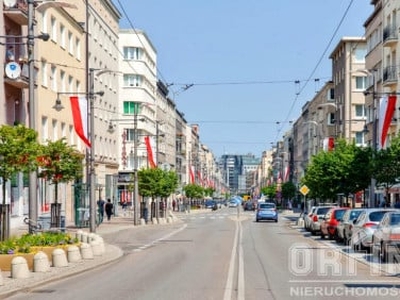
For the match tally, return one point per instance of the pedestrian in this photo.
(289, 204)
(100, 205)
(173, 205)
(109, 209)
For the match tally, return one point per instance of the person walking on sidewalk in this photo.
(109, 209)
(100, 205)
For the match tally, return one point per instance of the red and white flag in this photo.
(387, 106)
(191, 174)
(150, 158)
(79, 115)
(286, 176)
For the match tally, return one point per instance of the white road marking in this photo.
(229, 281)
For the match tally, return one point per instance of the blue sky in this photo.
(244, 58)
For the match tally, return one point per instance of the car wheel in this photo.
(257, 220)
(276, 221)
(384, 253)
(322, 236)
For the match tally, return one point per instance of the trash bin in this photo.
(44, 221)
(145, 214)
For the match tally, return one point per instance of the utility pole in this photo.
(92, 170)
(33, 211)
(136, 215)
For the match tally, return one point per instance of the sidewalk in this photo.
(8, 285)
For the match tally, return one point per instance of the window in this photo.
(132, 80)
(53, 24)
(360, 82)
(78, 48)
(53, 78)
(330, 95)
(130, 134)
(359, 53)
(331, 119)
(70, 43)
(62, 79)
(62, 36)
(130, 107)
(360, 110)
(70, 84)
(44, 73)
(359, 138)
(132, 53)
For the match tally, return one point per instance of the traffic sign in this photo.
(304, 190)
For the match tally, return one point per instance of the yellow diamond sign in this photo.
(304, 190)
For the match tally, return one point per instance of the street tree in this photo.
(18, 152)
(386, 165)
(58, 163)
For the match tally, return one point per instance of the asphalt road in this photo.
(224, 255)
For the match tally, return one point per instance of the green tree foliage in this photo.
(386, 165)
(18, 151)
(269, 191)
(193, 191)
(288, 190)
(59, 162)
(345, 170)
(155, 182)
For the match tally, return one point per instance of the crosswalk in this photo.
(211, 215)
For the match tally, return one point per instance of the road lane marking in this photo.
(229, 281)
(240, 265)
(237, 249)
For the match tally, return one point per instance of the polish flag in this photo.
(286, 176)
(386, 110)
(79, 114)
(191, 174)
(150, 158)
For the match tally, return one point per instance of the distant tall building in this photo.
(236, 171)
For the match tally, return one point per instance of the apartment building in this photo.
(349, 83)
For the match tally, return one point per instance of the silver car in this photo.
(344, 228)
(317, 218)
(365, 226)
(386, 238)
(307, 218)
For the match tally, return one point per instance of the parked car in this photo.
(266, 211)
(308, 217)
(365, 226)
(386, 238)
(317, 218)
(344, 228)
(330, 222)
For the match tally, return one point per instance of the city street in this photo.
(226, 255)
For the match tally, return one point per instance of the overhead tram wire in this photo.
(316, 66)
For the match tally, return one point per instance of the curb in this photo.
(12, 286)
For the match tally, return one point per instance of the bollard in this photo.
(155, 221)
(78, 235)
(142, 222)
(169, 220)
(59, 258)
(73, 254)
(92, 236)
(1, 279)
(96, 249)
(41, 262)
(86, 251)
(19, 268)
(85, 237)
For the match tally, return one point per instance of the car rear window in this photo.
(322, 210)
(354, 214)
(395, 219)
(339, 213)
(267, 205)
(376, 216)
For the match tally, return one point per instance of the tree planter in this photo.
(5, 260)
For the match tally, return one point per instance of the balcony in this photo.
(389, 76)
(18, 13)
(390, 36)
(22, 82)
